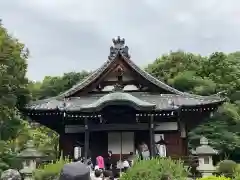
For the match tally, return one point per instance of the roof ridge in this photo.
(82, 83)
(151, 78)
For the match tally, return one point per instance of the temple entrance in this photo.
(121, 142)
(98, 144)
(118, 131)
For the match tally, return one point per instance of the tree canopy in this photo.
(205, 76)
(14, 92)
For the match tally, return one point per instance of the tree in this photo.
(45, 139)
(53, 86)
(207, 75)
(14, 91)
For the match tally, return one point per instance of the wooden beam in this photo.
(164, 126)
(74, 128)
(119, 127)
(151, 134)
(106, 127)
(130, 82)
(86, 141)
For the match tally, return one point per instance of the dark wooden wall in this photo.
(176, 146)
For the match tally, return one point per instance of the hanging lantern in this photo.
(77, 152)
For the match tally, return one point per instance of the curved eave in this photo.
(216, 102)
(30, 153)
(40, 105)
(119, 98)
(139, 102)
(99, 106)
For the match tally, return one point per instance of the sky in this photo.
(75, 35)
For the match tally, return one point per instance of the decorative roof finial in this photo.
(118, 48)
(118, 42)
(204, 141)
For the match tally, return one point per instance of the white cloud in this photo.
(66, 35)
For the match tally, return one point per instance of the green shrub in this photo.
(227, 168)
(156, 169)
(215, 178)
(50, 171)
(237, 173)
(237, 176)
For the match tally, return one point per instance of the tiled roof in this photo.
(30, 152)
(162, 101)
(118, 98)
(172, 100)
(205, 149)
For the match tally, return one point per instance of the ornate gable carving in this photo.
(119, 74)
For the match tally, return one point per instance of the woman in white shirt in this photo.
(161, 148)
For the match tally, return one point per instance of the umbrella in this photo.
(75, 171)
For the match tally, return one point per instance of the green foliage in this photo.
(50, 171)
(225, 124)
(237, 173)
(14, 93)
(205, 76)
(215, 178)
(7, 157)
(45, 139)
(155, 169)
(227, 168)
(53, 86)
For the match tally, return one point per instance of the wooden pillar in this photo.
(61, 141)
(86, 140)
(152, 141)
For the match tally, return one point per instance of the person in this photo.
(125, 165)
(89, 163)
(100, 162)
(107, 175)
(144, 151)
(131, 158)
(161, 148)
(109, 163)
(97, 175)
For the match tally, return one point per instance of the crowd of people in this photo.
(102, 175)
(107, 168)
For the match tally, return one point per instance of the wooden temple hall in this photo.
(118, 107)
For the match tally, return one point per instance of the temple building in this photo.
(118, 107)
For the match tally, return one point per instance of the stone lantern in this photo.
(205, 153)
(29, 156)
